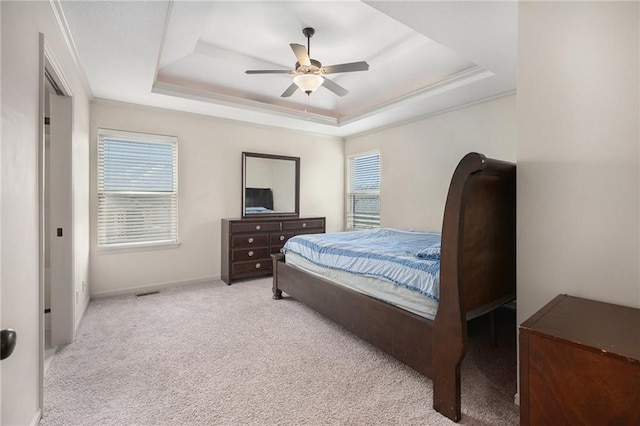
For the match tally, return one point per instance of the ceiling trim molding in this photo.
(63, 26)
(165, 88)
(163, 41)
(58, 74)
(203, 116)
(426, 116)
(468, 76)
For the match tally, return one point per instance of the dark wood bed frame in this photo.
(477, 274)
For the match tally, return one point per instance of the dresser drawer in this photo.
(250, 254)
(254, 227)
(294, 225)
(247, 267)
(250, 240)
(248, 243)
(280, 238)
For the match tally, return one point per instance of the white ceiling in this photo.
(424, 57)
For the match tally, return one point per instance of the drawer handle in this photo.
(250, 240)
(258, 266)
(250, 253)
(257, 227)
(304, 225)
(281, 237)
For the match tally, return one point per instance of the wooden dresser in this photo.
(247, 244)
(580, 364)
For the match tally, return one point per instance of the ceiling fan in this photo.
(309, 73)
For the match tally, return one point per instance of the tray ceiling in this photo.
(191, 56)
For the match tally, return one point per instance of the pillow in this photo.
(431, 252)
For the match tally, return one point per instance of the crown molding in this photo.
(205, 116)
(468, 76)
(460, 79)
(426, 116)
(63, 26)
(170, 89)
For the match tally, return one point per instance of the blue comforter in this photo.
(393, 255)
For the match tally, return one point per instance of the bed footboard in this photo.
(403, 335)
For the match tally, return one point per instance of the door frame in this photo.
(48, 64)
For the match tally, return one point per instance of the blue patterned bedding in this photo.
(410, 259)
(253, 210)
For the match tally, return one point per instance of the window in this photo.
(137, 189)
(363, 191)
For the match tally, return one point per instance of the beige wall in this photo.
(578, 106)
(209, 180)
(21, 24)
(417, 159)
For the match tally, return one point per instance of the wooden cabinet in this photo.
(580, 364)
(247, 244)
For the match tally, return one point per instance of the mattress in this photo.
(375, 287)
(408, 259)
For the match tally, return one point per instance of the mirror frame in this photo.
(296, 160)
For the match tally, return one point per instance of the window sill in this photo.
(127, 248)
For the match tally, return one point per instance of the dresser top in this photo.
(605, 327)
(272, 218)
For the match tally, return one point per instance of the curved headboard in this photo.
(478, 260)
(477, 263)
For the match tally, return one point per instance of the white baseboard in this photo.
(153, 287)
(80, 315)
(516, 398)
(35, 421)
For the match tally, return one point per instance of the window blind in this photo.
(363, 191)
(137, 189)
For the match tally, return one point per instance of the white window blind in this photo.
(363, 191)
(137, 189)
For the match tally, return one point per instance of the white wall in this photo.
(209, 186)
(418, 158)
(578, 187)
(21, 24)
(81, 231)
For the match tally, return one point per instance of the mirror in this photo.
(270, 185)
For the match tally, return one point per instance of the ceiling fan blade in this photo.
(334, 87)
(301, 53)
(289, 91)
(350, 67)
(268, 72)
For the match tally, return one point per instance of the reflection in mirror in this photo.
(270, 184)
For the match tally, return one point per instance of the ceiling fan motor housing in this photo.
(314, 68)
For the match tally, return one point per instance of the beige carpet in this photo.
(214, 354)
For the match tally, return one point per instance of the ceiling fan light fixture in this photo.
(307, 71)
(308, 83)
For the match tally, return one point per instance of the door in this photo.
(20, 375)
(59, 235)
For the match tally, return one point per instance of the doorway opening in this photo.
(57, 301)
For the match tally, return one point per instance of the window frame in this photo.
(138, 137)
(348, 167)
